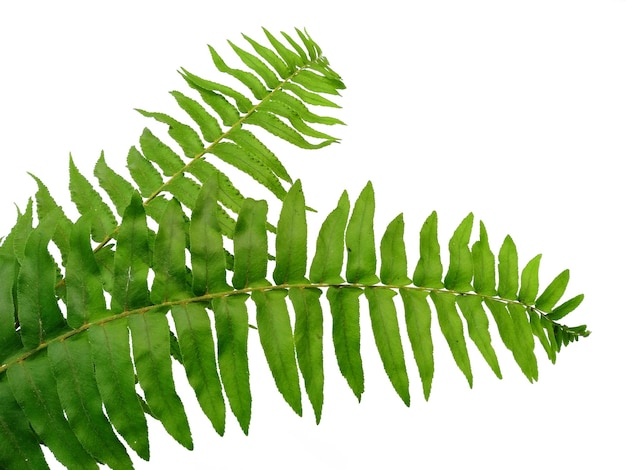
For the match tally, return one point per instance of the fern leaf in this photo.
(117, 188)
(183, 134)
(393, 255)
(484, 265)
(508, 276)
(276, 337)
(90, 203)
(34, 387)
(209, 127)
(9, 338)
(308, 334)
(328, 260)
(529, 284)
(231, 325)
(291, 239)
(344, 307)
(250, 246)
(548, 299)
(429, 270)
(461, 270)
(361, 265)
(115, 376)
(387, 337)
(78, 394)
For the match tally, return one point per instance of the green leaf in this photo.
(291, 59)
(34, 388)
(291, 238)
(170, 270)
(393, 255)
(208, 263)
(268, 76)
(78, 394)
(418, 319)
(344, 307)
(540, 332)
(151, 352)
(115, 376)
(248, 79)
(508, 270)
(525, 339)
(89, 203)
(9, 338)
(84, 296)
(566, 308)
(478, 329)
(452, 329)
(117, 188)
(429, 270)
(308, 336)
(361, 266)
(195, 338)
(159, 153)
(250, 244)
(225, 110)
(48, 208)
(209, 127)
(328, 260)
(182, 134)
(318, 83)
(548, 299)
(231, 325)
(132, 260)
(236, 156)
(484, 265)
(253, 146)
(309, 97)
(387, 337)
(39, 314)
(276, 337)
(530, 281)
(274, 125)
(144, 173)
(461, 270)
(19, 446)
(270, 56)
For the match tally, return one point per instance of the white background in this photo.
(514, 110)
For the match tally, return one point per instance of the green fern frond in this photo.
(79, 340)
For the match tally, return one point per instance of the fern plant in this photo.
(86, 346)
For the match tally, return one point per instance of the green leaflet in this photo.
(183, 134)
(262, 70)
(253, 146)
(84, 296)
(170, 271)
(38, 312)
(209, 127)
(89, 203)
(276, 337)
(115, 376)
(328, 260)
(117, 188)
(143, 172)
(508, 270)
(308, 334)
(344, 307)
(417, 317)
(33, 386)
(452, 329)
(159, 153)
(460, 272)
(529, 286)
(250, 242)
(565, 308)
(273, 125)
(548, 299)
(478, 329)
(78, 394)
(208, 263)
(132, 260)
(48, 208)
(387, 337)
(248, 79)
(19, 447)
(429, 270)
(484, 265)
(151, 352)
(9, 339)
(291, 238)
(393, 255)
(231, 325)
(361, 266)
(195, 338)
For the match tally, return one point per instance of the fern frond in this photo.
(86, 347)
(196, 293)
